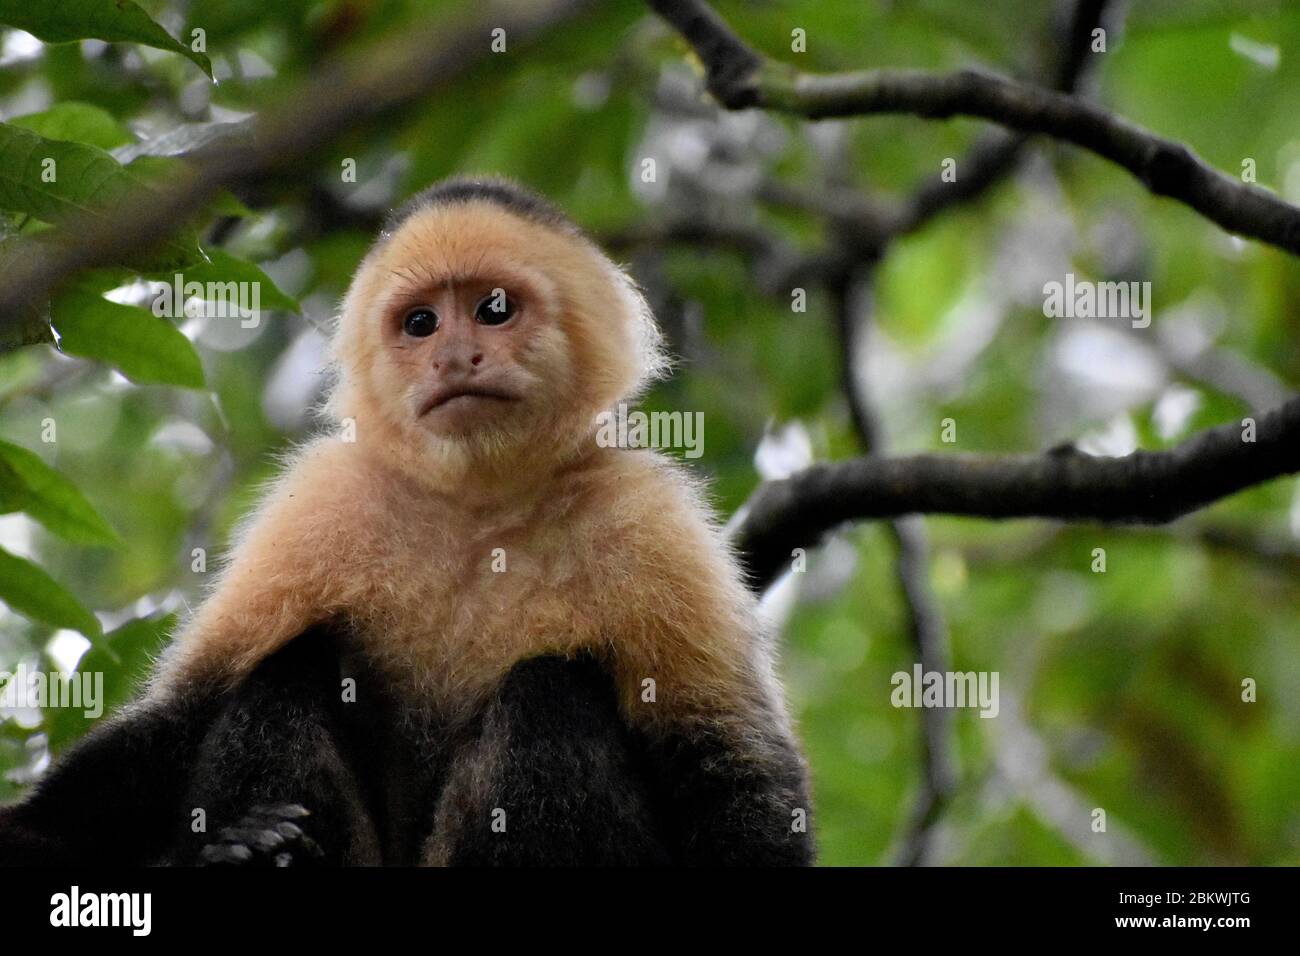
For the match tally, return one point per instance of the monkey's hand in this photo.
(265, 836)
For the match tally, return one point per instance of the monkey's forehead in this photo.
(479, 240)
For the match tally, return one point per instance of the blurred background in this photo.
(1120, 690)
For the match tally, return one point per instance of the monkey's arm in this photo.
(113, 797)
(732, 789)
(128, 792)
(696, 673)
(549, 775)
(275, 775)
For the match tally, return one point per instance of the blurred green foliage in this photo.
(1120, 690)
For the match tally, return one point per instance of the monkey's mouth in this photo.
(462, 393)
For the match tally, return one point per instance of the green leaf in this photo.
(28, 590)
(28, 484)
(86, 182)
(146, 348)
(226, 203)
(77, 123)
(125, 657)
(115, 21)
(223, 267)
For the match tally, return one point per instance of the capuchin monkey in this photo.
(458, 630)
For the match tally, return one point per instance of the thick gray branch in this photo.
(739, 77)
(1150, 487)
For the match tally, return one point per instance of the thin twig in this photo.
(926, 629)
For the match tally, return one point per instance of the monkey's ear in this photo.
(652, 360)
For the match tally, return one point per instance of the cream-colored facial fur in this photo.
(454, 557)
(590, 339)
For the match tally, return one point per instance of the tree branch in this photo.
(994, 155)
(860, 226)
(1146, 487)
(740, 77)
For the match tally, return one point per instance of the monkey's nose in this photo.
(457, 359)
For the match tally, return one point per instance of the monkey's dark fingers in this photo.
(221, 854)
(266, 836)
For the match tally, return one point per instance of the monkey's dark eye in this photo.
(497, 309)
(420, 322)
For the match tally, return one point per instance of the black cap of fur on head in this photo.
(492, 189)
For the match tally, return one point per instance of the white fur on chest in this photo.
(458, 606)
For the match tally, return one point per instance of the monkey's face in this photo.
(475, 328)
(474, 354)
